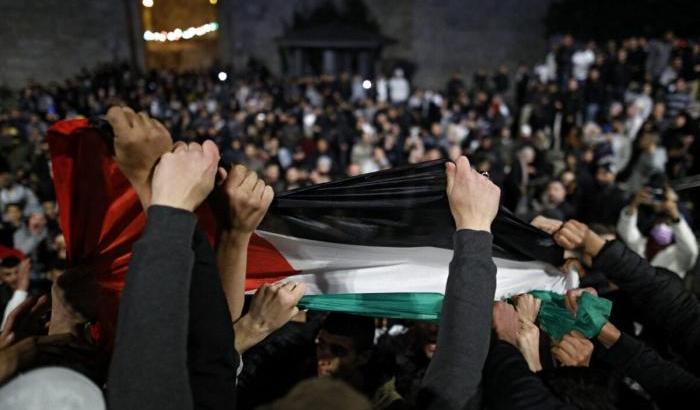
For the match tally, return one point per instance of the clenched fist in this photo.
(528, 307)
(271, 308)
(473, 198)
(248, 199)
(506, 322)
(138, 143)
(575, 235)
(185, 177)
(573, 350)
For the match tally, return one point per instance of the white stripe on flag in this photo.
(328, 268)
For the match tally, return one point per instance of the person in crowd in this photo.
(554, 202)
(651, 160)
(345, 350)
(604, 203)
(14, 274)
(399, 89)
(12, 192)
(669, 242)
(569, 120)
(454, 374)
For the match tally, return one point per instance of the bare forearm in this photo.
(248, 334)
(232, 258)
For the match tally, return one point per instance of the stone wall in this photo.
(52, 39)
(439, 36)
(47, 40)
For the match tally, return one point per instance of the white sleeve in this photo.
(686, 244)
(239, 370)
(17, 298)
(629, 233)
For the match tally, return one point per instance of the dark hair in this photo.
(584, 387)
(9, 204)
(359, 328)
(79, 284)
(10, 262)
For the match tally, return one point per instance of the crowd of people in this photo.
(588, 146)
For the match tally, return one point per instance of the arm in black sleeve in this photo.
(669, 385)
(509, 383)
(454, 374)
(658, 296)
(149, 365)
(212, 357)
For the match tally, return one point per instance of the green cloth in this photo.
(415, 306)
(555, 319)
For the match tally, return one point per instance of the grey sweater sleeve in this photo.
(454, 374)
(149, 365)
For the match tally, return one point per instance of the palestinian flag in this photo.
(377, 244)
(380, 244)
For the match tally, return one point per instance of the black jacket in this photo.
(669, 385)
(659, 298)
(510, 384)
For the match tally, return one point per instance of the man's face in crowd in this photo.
(37, 222)
(13, 215)
(335, 354)
(9, 276)
(5, 180)
(556, 194)
(50, 209)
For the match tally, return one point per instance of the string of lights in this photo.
(180, 34)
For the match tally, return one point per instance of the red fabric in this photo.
(6, 252)
(101, 218)
(100, 214)
(265, 264)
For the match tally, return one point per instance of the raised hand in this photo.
(473, 198)
(528, 342)
(670, 204)
(506, 322)
(643, 197)
(574, 235)
(528, 307)
(138, 143)
(271, 308)
(16, 357)
(184, 177)
(23, 275)
(248, 199)
(548, 225)
(27, 319)
(572, 296)
(573, 350)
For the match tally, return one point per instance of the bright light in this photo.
(147, 3)
(367, 84)
(213, 2)
(222, 76)
(180, 34)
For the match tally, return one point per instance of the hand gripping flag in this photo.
(376, 244)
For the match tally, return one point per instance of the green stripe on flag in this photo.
(414, 306)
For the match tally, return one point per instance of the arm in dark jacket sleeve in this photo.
(669, 385)
(454, 374)
(509, 383)
(149, 365)
(658, 296)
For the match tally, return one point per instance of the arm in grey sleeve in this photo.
(454, 374)
(149, 365)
